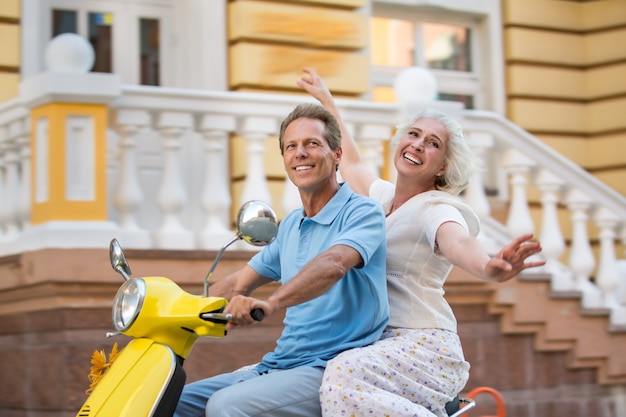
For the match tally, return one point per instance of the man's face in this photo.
(309, 161)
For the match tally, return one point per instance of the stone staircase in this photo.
(557, 320)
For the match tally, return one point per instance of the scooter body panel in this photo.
(135, 383)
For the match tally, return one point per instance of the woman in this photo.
(418, 365)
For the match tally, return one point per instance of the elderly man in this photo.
(330, 258)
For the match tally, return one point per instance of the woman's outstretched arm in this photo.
(352, 167)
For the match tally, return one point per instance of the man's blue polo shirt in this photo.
(355, 311)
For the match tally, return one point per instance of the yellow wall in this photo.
(566, 79)
(270, 43)
(10, 49)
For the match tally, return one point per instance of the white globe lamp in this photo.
(415, 84)
(69, 53)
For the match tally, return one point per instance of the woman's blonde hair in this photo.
(462, 161)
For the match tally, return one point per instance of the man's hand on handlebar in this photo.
(244, 311)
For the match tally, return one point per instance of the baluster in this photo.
(255, 131)
(172, 195)
(216, 199)
(23, 201)
(291, 197)
(128, 195)
(11, 159)
(474, 195)
(621, 296)
(607, 276)
(371, 145)
(351, 129)
(551, 238)
(3, 208)
(581, 259)
(518, 165)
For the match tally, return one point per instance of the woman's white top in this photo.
(416, 270)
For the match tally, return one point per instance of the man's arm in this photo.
(242, 282)
(317, 277)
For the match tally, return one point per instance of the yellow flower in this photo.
(99, 366)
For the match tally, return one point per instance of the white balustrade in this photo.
(216, 198)
(518, 166)
(475, 195)
(172, 196)
(607, 276)
(23, 199)
(581, 260)
(173, 190)
(371, 137)
(256, 131)
(291, 197)
(551, 237)
(11, 190)
(3, 207)
(128, 194)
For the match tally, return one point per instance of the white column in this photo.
(24, 198)
(172, 194)
(607, 276)
(518, 165)
(255, 131)
(11, 191)
(128, 195)
(581, 259)
(551, 238)
(475, 195)
(3, 208)
(370, 142)
(216, 199)
(291, 197)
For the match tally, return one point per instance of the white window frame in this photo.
(125, 35)
(485, 83)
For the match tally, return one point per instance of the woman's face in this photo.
(422, 150)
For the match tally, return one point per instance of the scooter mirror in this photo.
(118, 260)
(257, 223)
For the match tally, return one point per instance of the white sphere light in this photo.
(69, 53)
(415, 84)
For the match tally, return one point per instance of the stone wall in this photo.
(45, 352)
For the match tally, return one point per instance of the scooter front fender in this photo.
(144, 381)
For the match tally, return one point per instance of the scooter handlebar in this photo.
(257, 314)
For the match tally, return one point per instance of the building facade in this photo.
(172, 126)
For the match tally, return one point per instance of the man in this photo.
(330, 258)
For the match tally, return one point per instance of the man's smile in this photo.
(303, 167)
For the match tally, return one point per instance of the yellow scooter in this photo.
(147, 377)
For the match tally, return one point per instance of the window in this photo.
(454, 43)
(100, 36)
(64, 21)
(149, 51)
(99, 32)
(126, 35)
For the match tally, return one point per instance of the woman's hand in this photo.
(511, 260)
(313, 84)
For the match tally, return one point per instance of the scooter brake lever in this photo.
(218, 317)
(257, 314)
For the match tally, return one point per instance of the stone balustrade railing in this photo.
(170, 182)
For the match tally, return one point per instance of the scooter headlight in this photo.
(128, 302)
